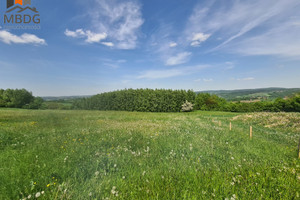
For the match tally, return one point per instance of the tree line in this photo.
(212, 102)
(144, 100)
(148, 100)
(162, 100)
(19, 98)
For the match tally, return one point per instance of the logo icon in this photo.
(17, 6)
(20, 14)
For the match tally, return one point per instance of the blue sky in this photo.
(89, 47)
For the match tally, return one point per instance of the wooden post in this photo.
(250, 132)
(299, 149)
(230, 126)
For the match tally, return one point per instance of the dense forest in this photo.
(144, 100)
(148, 100)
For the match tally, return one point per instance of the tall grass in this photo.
(129, 155)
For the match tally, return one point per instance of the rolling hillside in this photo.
(254, 94)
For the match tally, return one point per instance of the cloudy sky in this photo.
(89, 47)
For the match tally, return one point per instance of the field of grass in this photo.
(130, 155)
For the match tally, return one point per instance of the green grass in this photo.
(130, 155)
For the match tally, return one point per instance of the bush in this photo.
(187, 107)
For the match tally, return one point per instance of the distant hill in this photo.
(253, 94)
(64, 98)
(230, 95)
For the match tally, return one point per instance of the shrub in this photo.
(187, 107)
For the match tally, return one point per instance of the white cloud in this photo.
(282, 41)
(229, 65)
(75, 34)
(197, 80)
(173, 44)
(237, 20)
(160, 74)
(89, 35)
(114, 64)
(25, 38)
(208, 80)
(180, 58)
(109, 44)
(95, 37)
(120, 20)
(198, 38)
(246, 79)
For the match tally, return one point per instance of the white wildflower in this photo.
(37, 195)
(233, 197)
(66, 158)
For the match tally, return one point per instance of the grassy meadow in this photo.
(48, 154)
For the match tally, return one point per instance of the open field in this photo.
(130, 155)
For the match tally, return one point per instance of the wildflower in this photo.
(233, 197)
(37, 195)
(123, 177)
(144, 172)
(42, 192)
(65, 160)
(113, 191)
(232, 183)
(29, 196)
(115, 165)
(90, 194)
(48, 185)
(232, 158)
(97, 173)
